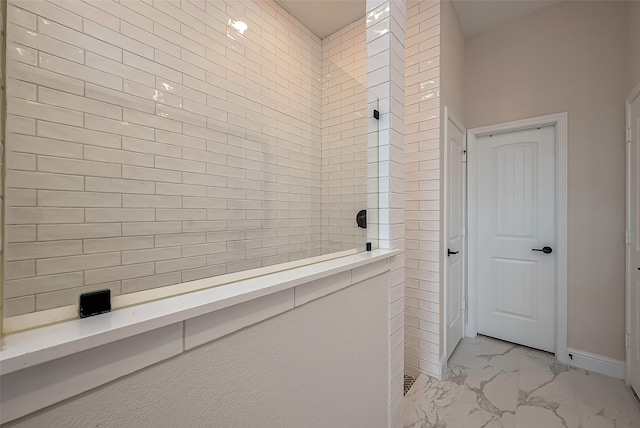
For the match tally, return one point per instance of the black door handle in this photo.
(546, 250)
(449, 252)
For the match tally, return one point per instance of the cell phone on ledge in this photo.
(95, 303)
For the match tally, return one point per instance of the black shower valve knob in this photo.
(361, 219)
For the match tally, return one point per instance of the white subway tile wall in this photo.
(344, 137)
(385, 35)
(422, 213)
(151, 143)
(5, 270)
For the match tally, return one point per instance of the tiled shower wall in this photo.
(344, 137)
(385, 33)
(152, 143)
(422, 181)
(2, 145)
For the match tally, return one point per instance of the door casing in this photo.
(630, 265)
(560, 122)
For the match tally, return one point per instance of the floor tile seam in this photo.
(617, 393)
(576, 409)
(581, 417)
(571, 392)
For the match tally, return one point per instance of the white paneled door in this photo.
(634, 268)
(454, 226)
(516, 234)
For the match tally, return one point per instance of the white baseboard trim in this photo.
(443, 367)
(596, 363)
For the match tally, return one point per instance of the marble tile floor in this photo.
(496, 384)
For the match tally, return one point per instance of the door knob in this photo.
(449, 252)
(546, 250)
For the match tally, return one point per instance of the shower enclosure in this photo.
(142, 163)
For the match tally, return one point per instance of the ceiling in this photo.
(324, 17)
(476, 16)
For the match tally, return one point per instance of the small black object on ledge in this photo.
(95, 303)
(361, 219)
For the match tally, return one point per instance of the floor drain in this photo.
(408, 383)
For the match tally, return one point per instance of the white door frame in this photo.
(560, 121)
(630, 274)
(448, 116)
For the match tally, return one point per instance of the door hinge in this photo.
(628, 340)
(627, 237)
(463, 231)
(629, 135)
(464, 305)
(464, 156)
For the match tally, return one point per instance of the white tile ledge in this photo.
(33, 347)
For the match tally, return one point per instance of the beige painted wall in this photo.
(634, 44)
(570, 57)
(452, 62)
(323, 364)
